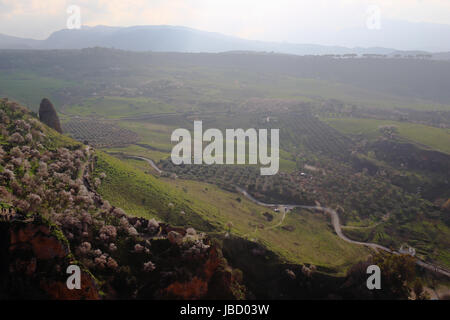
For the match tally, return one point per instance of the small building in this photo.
(406, 249)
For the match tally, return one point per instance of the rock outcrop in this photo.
(48, 115)
(35, 260)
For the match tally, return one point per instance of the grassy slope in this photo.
(143, 195)
(134, 150)
(312, 241)
(434, 138)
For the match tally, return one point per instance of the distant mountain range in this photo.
(8, 42)
(168, 38)
(172, 39)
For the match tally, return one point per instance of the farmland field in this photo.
(115, 107)
(99, 134)
(429, 137)
(347, 142)
(30, 88)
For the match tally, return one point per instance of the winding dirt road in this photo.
(337, 228)
(334, 221)
(149, 161)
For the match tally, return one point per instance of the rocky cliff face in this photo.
(34, 263)
(48, 115)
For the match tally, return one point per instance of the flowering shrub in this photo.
(149, 266)
(40, 175)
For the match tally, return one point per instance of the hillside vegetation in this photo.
(53, 217)
(365, 137)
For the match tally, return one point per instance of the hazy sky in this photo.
(276, 20)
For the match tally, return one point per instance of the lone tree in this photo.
(48, 115)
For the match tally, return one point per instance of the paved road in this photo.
(337, 228)
(150, 161)
(334, 221)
